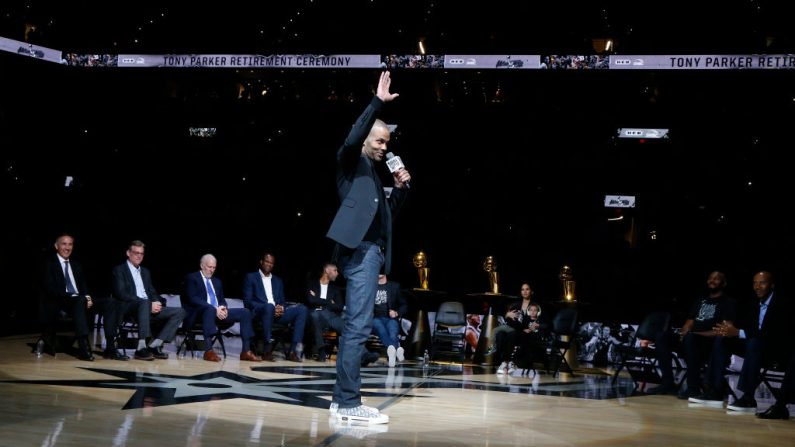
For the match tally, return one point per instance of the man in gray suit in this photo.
(362, 229)
(132, 287)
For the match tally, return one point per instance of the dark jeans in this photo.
(387, 330)
(361, 271)
(700, 349)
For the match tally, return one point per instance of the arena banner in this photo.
(703, 62)
(250, 60)
(482, 61)
(30, 50)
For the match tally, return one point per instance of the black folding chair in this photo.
(564, 327)
(635, 354)
(449, 332)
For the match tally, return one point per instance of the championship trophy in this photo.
(490, 267)
(567, 280)
(421, 262)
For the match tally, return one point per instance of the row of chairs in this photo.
(641, 359)
(448, 334)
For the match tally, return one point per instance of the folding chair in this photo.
(652, 326)
(564, 331)
(449, 331)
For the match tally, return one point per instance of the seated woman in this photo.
(531, 338)
(505, 336)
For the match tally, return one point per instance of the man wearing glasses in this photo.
(132, 287)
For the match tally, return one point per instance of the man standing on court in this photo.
(362, 229)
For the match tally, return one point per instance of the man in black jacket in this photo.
(325, 303)
(362, 229)
(64, 286)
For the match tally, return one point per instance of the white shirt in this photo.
(140, 290)
(323, 291)
(266, 282)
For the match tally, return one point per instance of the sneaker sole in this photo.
(382, 419)
(707, 403)
(741, 409)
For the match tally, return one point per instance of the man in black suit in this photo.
(362, 229)
(64, 287)
(325, 303)
(760, 337)
(204, 300)
(135, 293)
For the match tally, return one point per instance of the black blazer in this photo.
(54, 284)
(357, 189)
(335, 300)
(124, 285)
(775, 333)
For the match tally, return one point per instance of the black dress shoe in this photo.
(775, 411)
(86, 355)
(370, 357)
(144, 354)
(158, 353)
(114, 354)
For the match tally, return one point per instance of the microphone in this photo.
(394, 163)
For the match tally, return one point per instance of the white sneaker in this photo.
(334, 407)
(361, 413)
(511, 367)
(400, 352)
(390, 352)
(501, 369)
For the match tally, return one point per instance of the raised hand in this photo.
(383, 88)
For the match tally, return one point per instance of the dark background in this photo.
(513, 164)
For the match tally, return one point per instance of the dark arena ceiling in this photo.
(514, 164)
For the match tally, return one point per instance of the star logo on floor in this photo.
(311, 386)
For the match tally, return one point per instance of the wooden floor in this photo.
(61, 401)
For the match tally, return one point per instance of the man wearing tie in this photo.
(133, 288)
(205, 300)
(64, 287)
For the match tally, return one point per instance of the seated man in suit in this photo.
(761, 337)
(132, 287)
(64, 287)
(326, 302)
(205, 301)
(389, 306)
(263, 294)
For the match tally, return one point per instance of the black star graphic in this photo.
(315, 384)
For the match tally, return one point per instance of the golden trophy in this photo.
(490, 267)
(421, 262)
(567, 280)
